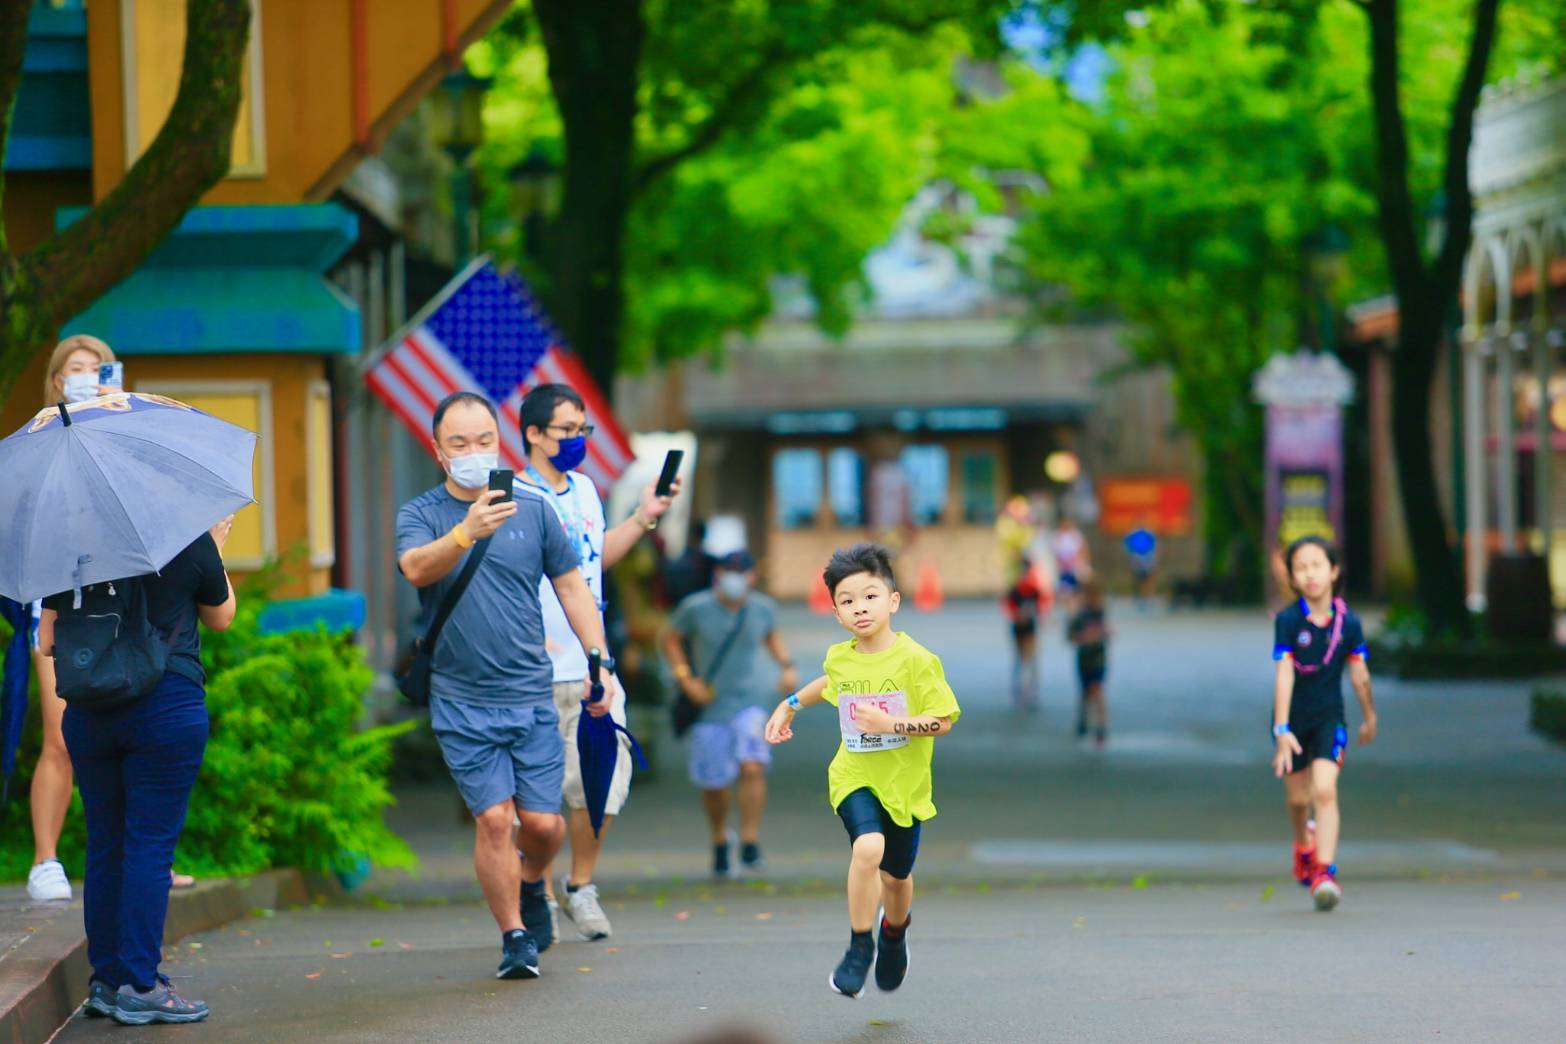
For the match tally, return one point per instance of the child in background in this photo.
(1025, 602)
(1314, 638)
(892, 701)
(1090, 634)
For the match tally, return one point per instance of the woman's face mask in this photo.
(79, 387)
(472, 471)
(732, 587)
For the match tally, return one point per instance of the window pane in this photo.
(845, 486)
(796, 485)
(925, 467)
(978, 488)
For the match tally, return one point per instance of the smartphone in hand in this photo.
(502, 480)
(671, 468)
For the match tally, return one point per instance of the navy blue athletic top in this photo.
(1318, 685)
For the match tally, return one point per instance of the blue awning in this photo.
(234, 280)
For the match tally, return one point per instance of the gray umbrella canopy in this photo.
(114, 487)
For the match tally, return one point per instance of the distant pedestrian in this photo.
(492, 704)
(1141, 546)
(1089, 632)
(1026, 603)
(691, 570)
(1314, 639)
(892, 700)
(1072, 561)
(713, 645)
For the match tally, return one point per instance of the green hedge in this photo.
(1548, 711)
(1451, 659)
(289, 778)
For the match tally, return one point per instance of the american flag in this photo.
(484, 333)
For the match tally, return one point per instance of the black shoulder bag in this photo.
(685, 713)
(413, 673)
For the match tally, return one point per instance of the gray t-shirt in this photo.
(491, 651)
(746, 674)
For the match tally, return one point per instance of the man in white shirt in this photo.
(555, 429)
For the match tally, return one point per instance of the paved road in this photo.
(1029, 924)
(1425, 961)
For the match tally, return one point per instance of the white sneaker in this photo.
(47, 882)
(554, 918)
(583, 908)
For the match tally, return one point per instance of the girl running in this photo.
(1315, 637)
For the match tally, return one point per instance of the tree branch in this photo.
(189, 156)
(14, 16)
(746, 90)
(1448, 265)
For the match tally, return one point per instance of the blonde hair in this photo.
(63, 351)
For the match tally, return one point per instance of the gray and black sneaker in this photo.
(518, 956)
(854, 968)
(159, 1004)
(101, 1000)
(537, 918)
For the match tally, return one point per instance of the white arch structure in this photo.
(1517, 168)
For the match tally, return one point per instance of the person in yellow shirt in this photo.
(892, 701)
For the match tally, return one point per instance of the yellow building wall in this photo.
(276, 395)
(306, 86)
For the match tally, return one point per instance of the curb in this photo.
(43, 983)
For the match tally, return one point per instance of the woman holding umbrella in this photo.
(136, 767)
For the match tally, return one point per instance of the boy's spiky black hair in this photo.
(865, 557)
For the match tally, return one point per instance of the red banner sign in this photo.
(1162, 505)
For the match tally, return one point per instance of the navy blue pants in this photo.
(135, 768)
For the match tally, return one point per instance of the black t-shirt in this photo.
(195, 577)
(1318, 692)
(1092, 653)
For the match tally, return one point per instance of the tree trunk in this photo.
(68, 271)
(594, 59)
(1423, 292)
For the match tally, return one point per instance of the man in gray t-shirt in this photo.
(492, 703)
(714, 645)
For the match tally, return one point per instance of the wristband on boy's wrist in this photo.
(793, 701)
(1281, 730)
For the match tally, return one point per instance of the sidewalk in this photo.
(43, 951)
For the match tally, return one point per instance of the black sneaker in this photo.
(518, 956)
(159, 1004)
(891, 957)
(720, 862)
(849, 979)
(537, 918)
(101, 1000)
(751, 862)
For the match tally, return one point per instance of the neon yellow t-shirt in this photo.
(906, 679)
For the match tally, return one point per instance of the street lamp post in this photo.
(534, 183)
(1326, 253)
(457, 125)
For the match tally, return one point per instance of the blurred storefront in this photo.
(915, 428)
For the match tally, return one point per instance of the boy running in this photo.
(892, 701)
(1314, 638)
(1090, 634)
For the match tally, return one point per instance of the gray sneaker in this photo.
(583, 908)
(101, 1000)
(159, 1004)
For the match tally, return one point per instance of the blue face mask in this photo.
(572, 452)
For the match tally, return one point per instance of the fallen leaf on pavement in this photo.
(1080, 922)
(403, 945)
(683, 915)
(340, 956)
(763, 917)
(1267, 894)
(312, 975)
(194, 946)
(377, 942)
(1139, 882)
(1507, 897)
(584, 969)
(613, 949)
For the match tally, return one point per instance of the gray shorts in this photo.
(719, 748)
(500, 754)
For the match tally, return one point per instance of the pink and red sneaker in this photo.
(1324, 888)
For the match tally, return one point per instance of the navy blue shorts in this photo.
(862, 814)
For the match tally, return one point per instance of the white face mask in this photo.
(79, 387)
(472, 471)
(732, 587)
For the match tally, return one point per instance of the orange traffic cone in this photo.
(820, 597)
(928, 596)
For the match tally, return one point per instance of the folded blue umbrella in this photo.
(114, 487)
(13, 690)
(598, 746)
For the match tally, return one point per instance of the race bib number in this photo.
(894, 703)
